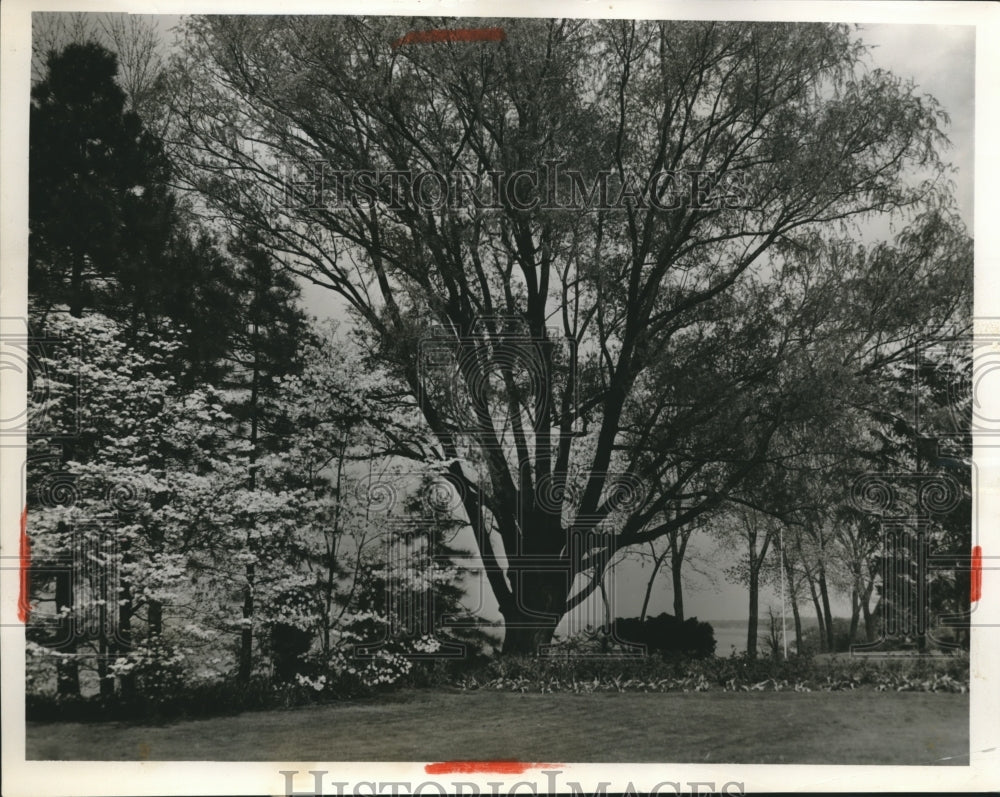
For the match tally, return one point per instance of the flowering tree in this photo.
(139, 501)
(369, 538)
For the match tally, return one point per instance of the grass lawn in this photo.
(861, 727)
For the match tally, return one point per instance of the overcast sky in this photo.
(941, 60)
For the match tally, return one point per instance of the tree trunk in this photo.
(67, 670)
(793, 595)
(104, 679)
(246, 634)
(752, 620)
(811, 582)
(154, 607)
(155, 615)
(76, 301)
(657, 561)
(123, 634)
(870, 629)
(608, 619)
(525, 641)
(855, 616)
(123, 625)
(819, 612)
(871, 621)
(798, 627)
(530, 625)
(675, 572)
(106, 682)
(827, 614)
(921, 615)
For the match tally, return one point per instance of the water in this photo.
(729, 637)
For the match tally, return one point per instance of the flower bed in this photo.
(733, 674)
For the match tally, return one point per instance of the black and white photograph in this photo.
(501, 404)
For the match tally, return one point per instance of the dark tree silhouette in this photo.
(97, 183)
(107, 231)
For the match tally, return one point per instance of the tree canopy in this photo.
(579, 370)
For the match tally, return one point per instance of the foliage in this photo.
(221, 462)
(157, 481)
(157, 668)
(736, 673)
(546, 675)
(812, 638)
(79, 126)
(107, 232)
(665, 634)
(139, 501)
(744, 301)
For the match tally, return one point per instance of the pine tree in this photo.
(94, 174)
(262, 352)
(107, 232)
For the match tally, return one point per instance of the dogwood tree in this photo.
(146, 492)
(371, 542)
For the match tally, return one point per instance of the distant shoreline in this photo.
(762, 622)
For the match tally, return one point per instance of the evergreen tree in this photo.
(263, 350)
(96, 176)
(107, 232)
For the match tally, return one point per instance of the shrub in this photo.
(203, 699)
(156, 668)
(814, 641)
(665, 634)
(328, 681)
(289, 646)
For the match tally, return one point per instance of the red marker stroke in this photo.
(440, 35)
(487, 767)
(976, 575)
(23, 604)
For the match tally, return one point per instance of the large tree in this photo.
(96, 175)
(107, 231)
(462, 300)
